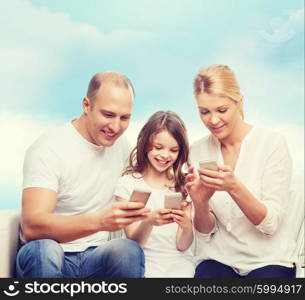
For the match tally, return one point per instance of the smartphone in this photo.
(140, 196)
(208, 164)
(173, 200)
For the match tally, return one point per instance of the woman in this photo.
(239, 207)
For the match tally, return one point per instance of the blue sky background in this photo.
(50, 49)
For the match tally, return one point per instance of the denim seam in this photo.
(37, 245)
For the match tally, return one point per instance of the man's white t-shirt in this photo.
(162, 259)
(264, 166)
(82, 174)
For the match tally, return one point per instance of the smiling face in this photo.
(108, 116)
(164, 152)
(220, 114)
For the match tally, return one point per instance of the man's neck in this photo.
(80, 126)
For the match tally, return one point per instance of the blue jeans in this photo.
(46, 259)
(214, 269)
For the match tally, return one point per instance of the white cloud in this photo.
(18, 132)
(33, 46)
(36, 44)
(281, 29)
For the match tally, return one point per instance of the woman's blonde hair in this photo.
(219, 80)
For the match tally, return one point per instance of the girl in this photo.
(155, 165)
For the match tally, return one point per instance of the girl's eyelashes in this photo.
(160, 148)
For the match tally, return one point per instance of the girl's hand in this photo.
(160, 217)
(221, 180)
(196, 189)
(183, 216)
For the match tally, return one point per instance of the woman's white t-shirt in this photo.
(162, 259)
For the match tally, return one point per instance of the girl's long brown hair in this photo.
(159, 121)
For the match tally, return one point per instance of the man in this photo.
(69, 177)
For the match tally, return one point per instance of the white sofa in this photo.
(9, 229)
(9, 233)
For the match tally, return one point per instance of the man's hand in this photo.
(119, 215)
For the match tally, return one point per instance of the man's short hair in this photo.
(114, 78)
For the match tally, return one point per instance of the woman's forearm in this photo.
(204, 220)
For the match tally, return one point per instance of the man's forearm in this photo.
(58, 227)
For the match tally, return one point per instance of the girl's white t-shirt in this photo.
(162, 259)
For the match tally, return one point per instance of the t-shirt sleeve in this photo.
(206, 237)
(123, 188)
(275, 186)
(41, 168)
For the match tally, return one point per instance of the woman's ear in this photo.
(240, 106)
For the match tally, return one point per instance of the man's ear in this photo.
(86, 105)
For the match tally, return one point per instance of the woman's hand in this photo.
(221, 180)
(160, 217)
(196, 189)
